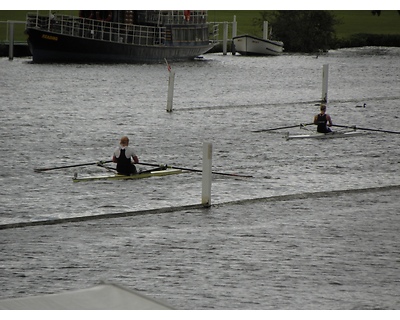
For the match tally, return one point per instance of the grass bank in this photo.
(356, 28)
(350, 22)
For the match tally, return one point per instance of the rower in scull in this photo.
(323, 120)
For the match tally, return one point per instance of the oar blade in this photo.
(286, 127)
(42, 169)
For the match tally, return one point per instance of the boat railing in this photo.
(98, 29)
(182, 17)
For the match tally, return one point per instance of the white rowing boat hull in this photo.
(330, 135)
(249, 45)
(155, 173)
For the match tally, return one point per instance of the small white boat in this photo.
(250, 45)
(140, 175)
(329, 135)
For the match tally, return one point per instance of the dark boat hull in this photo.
(52, 47)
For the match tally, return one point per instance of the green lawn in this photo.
(352, 22)
(18, 29)
(244, 19)
(18, 15)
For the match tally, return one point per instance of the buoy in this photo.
(362, 106)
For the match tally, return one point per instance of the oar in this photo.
(366, 129)
(287, 127)
(70, 166)
(194, 170)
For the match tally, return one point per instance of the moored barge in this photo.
(115, 36)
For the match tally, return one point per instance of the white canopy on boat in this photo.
(106, 296)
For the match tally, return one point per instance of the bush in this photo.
(364, 39)
(305, 31)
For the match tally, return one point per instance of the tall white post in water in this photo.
(265, 30)
(225, 39)
(234, 34)
(171, 81)
(325, 70)
(234, 27)
(207, 175)
(11, 41)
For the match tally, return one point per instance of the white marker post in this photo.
(234, 27)
(225, 39)
(171, 81)
(234, 33)
(265, 30)
(11, 41)
(207, 174)
(325, 70)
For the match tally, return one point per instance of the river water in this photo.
(316, 227)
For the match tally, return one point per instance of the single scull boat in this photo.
(330, 135)
(140, 175)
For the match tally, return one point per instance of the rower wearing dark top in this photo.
(125, 157)
(323, 120)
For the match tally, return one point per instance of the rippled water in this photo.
(55, 115)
